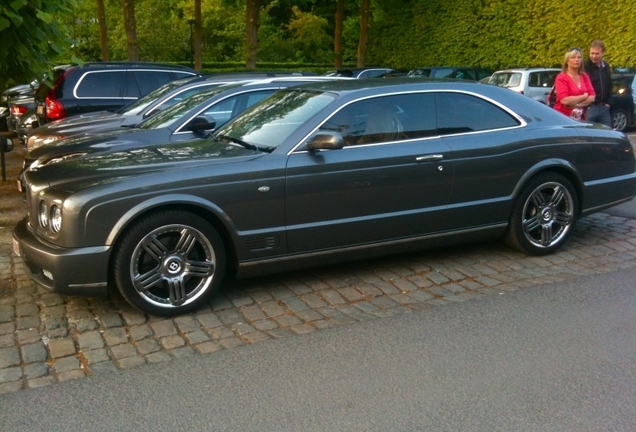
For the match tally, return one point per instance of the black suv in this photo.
(622, 109)
(101, 86)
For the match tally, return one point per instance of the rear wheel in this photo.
(169, 263)
(620, 119)
(543, 216)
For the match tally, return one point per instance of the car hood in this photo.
(106, 141)
(83, 171)
(83, 123)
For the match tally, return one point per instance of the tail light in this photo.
(54, 108)
(18, 110)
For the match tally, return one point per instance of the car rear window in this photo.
(506, 79)
(106, 84)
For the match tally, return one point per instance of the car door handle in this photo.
(430, 158)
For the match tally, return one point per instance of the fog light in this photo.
(47, 274)
(56, 218)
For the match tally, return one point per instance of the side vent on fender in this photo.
(255, 244)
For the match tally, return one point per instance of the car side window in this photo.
(150, 80)
(101, 84)
(385, 119)
(534, 80)
(461, 113)
(233, 106)
(176, 98)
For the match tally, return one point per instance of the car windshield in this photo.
(170, 115)
(267, 124)
(140, 104)
(506, 79)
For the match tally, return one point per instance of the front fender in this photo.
(93, 216)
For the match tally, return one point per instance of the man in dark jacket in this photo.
(601, 76)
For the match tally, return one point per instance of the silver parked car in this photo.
(532, 82)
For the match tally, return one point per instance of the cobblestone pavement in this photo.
(47, 338)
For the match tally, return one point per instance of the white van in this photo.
(532, 82)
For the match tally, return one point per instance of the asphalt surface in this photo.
(553, 358)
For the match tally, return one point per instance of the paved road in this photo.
(46, 338)
(558, 357)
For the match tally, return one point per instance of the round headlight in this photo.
(56, 218)
(44, 215)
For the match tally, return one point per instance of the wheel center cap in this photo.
(546, 214)
(173, 265)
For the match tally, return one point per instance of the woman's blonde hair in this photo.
(568, 55)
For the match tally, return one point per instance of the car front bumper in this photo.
(81, 271)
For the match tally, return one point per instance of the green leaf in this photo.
(4, 24)
(47, 18)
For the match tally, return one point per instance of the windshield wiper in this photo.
(244, 144)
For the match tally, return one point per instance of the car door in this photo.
(391, 181)
(487, 159)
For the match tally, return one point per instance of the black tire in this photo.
(620, 119)
(169, 263)
(543, 215)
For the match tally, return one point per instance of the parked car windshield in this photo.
(140, 104)
(267, 124)
(171, 114)
(506, 79)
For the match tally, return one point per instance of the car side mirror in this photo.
(326, 141)
(6, 143)
(202, 123)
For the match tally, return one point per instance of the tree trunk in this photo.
(364, 33)
(103, 35)
(337, 48)
(251, 25)
(131, 30)
(198, 64)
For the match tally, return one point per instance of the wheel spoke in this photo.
(147, 280)
(202, 269)
(154, 248)
(557, 196)
(187, 240)
(563, 218)
(531, 224)
(176, 287)
(546, 234)
(538, 200)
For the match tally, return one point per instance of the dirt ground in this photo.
(12, 209)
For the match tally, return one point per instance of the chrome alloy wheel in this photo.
(548, 215)
(172, 265)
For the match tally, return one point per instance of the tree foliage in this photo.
(401, 33)
(31, 36)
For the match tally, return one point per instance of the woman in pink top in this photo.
(573, 87)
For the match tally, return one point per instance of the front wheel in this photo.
(543, 215)
(169, 263)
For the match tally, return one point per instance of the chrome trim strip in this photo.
(245, 264)
(119, 70)
(92, 285)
